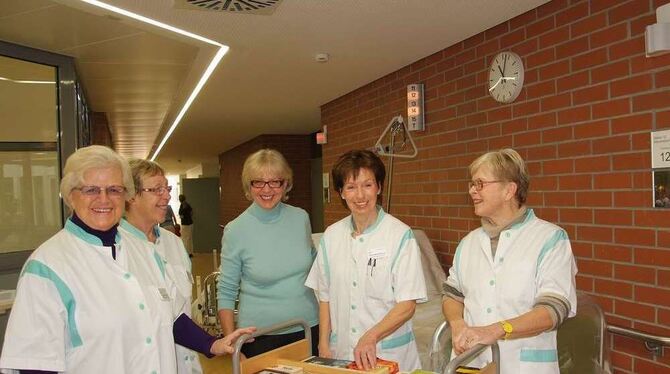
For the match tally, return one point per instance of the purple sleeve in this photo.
(188, 334)
(36, 372)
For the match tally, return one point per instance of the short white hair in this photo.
(93, 157)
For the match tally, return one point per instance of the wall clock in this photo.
(506, 77)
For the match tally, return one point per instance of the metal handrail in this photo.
(653, 343)
(280, 326)
(470, 353)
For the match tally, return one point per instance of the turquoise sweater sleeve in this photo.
(265, 258)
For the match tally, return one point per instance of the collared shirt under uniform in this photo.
(78, 310)
(178, 267)
(363, 278)
(533, 258)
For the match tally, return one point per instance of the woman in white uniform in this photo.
(88, 300)
(513, 279)
(144, 213)
(367, 273)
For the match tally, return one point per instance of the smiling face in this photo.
(360, 193)
(101, 211)
(267, 197)
(147, 206)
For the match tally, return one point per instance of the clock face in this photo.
(506, 77)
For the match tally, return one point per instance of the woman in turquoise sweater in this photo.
(265, 257)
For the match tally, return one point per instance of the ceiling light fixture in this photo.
(223, 49)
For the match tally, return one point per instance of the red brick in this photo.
(662, 78)
(576, 215)
(631, 85)
(561, 166)
(541, 121)
(635, 236)
(663, 238)
(554, 37)
(634, 310)
(574, 182)
(639, 25)
(573, 47)
(636, 274)
(612, 181)
(625, 11)
(541, 89)
(652, 256)
(555, 102)
(658, 100)
(512, 38)
(539, 27)
(632, 199)
(612, 252)
(573, 115)
(612, 144)
(597, 268)
(613, 217)
(573, 13)
(627, 48)
(644, 366)
(558, 134)
(609, 35)
(590, 94)
(592, 129)
(581, 249)
(541, 153)
(664, 281)
(613, 288)
(526, 108)
(644, 63)
(634, 123)
(652, 295)
(594, 233)
(572, 81)
(559, 199)
(592, 164)
(631, 161)
(652, 218)
(584, 283)
(611, 108)
(554, 70)
(594, 198)
(590, 59)
(588, 25)
(576, 148)
(611, 71)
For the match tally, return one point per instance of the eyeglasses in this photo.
(273, 183)
(479, 184)
(158, 190)
(111, 191)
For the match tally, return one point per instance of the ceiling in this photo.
(267, 83)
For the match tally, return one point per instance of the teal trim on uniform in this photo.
(160, 263)
(41, 270)
(538, 355)
(326, 264)
(409, 234)
(398, 341)
(133, 230)
(81, 234)
(530, 214)
(333, 338)
(380, 217)
(457, 258)
(549, 245)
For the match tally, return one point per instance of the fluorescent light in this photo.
(25, 81)
(223, 49)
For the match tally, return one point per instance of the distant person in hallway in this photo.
(513, 279)
(367, 273)
(89, 299)
(265, 256)
(186, 219)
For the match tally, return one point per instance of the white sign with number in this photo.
(660, 149)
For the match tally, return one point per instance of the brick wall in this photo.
(295, 148)
(582, 122)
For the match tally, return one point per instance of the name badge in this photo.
(377, 253)
(163, 294)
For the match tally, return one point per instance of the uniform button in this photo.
(353, 307)
(148, 340)
(154, 372)
(502, 259)
(488, 310)
(141, 306)
(126, 275)
(185, 358)
(507, 235)
(354, 283)
(360, 240)
(353, 330)
(492, 282)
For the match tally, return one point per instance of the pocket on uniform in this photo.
(378, 280)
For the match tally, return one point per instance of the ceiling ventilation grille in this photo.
(230, 6)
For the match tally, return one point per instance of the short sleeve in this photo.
(556, 269)
(406, 271)
(318, 277)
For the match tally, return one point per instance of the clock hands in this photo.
(503, 80)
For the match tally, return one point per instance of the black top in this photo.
(186, 213)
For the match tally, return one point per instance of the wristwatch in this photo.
(507, 327)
